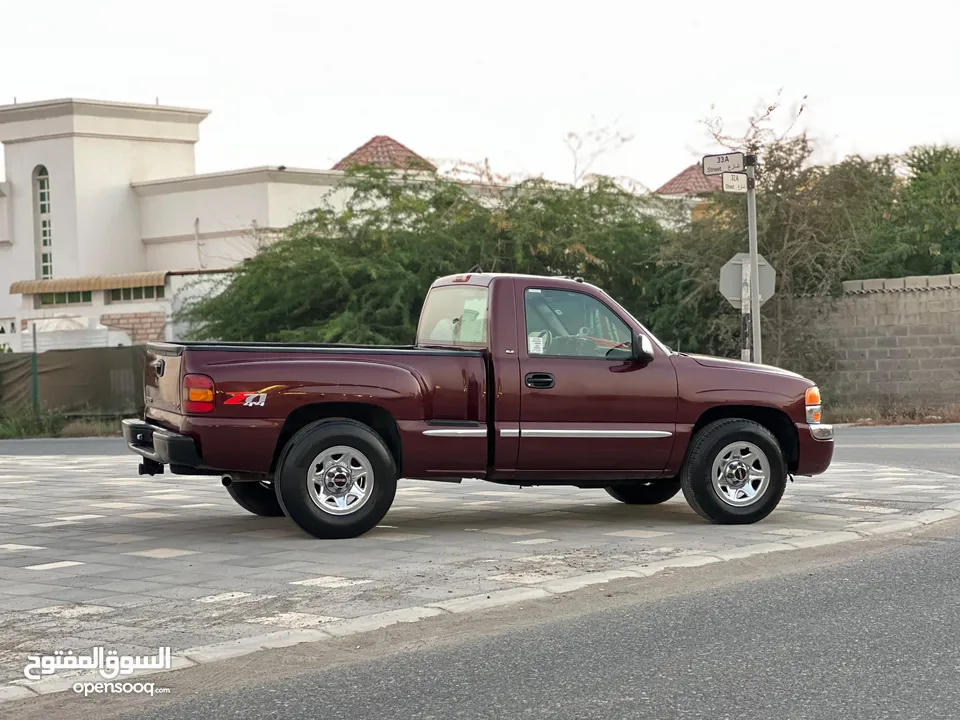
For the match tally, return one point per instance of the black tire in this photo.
(645, 493)
(255, 498)
(705, 448)
(292, 486)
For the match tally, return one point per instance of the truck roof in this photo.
(485, 278)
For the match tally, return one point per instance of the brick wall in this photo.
(897, 341)
(141, 326)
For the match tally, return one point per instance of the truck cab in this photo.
(578, 393)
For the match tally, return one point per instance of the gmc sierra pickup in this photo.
(519, 380)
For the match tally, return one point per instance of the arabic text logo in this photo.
(108, 663)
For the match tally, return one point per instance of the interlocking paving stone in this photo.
(133, 562)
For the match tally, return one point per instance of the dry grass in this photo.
(91, 427)
(27, 424)
(868, 415)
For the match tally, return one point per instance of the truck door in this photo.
(584, 405)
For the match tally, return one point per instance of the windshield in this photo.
(454, 316)
(617, 306)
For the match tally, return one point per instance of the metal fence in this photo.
(104, 381)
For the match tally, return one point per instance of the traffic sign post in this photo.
(750, 163)
(731, 279)
(737, 287)
(746, 281)
(746, 329)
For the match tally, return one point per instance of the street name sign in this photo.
(719, 164)
(734, 182)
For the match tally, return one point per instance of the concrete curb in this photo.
(492, 599)
(191, 657)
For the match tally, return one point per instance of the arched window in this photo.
(41, 202)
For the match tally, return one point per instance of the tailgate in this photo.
(161, 377)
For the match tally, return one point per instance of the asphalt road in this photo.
(65, 446)
(926, 447)
(860, 630)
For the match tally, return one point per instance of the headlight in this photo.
(814, 406)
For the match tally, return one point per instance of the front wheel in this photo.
(644, 493)
(734, 473)
(336, 478)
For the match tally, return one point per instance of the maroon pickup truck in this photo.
(518, 380)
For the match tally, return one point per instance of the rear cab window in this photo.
(455, 316)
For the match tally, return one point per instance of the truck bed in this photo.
(259, 387)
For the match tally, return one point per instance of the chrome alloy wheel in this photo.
(741, 474)
(340, 480)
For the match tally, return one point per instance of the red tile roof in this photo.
(383, 151)
(691, 182)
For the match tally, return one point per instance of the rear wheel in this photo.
(734, 473)
(255, 497)
(645, 493)
(336, 478)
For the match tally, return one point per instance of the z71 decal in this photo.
(246, 399)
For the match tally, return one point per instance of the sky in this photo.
(303, 82)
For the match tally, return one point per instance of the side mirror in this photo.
(642, 348)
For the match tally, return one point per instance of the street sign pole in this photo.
(738, 173)
(750, 162)
(745, 330)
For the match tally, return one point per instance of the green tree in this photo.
(920, 233)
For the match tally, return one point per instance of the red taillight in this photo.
(198, 394)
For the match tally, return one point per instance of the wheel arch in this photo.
(377, 418)
(773, 419)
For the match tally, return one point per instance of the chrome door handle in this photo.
(539, 381)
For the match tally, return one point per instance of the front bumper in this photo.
(162, 446)
(816, 448)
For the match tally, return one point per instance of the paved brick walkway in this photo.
(92, 554)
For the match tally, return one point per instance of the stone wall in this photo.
(897, 341)
(142, 327)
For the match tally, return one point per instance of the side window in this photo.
(562, 323)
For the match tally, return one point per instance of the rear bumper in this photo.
(162, 446)
(816, 448)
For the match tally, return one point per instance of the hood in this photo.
(716, 362)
